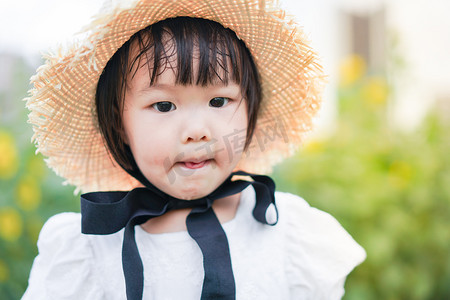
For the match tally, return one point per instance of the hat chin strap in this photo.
(104, 213)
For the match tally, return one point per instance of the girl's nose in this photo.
(196, 131)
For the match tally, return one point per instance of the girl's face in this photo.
(186, 140)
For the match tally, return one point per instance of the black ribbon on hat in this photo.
(105, 213)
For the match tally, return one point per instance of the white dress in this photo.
(307, 255)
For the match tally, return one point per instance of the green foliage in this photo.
(30, 193)
(390, 190)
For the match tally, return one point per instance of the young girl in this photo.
(152, 114)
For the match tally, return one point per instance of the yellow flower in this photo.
(9, 162)
(10, 224)
(28, 193)
(314, 146)
(376, 91)
(352, 68)
(4, 271)
(400, 174)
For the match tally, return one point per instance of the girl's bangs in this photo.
(170, 45)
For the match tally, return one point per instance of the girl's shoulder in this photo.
(63, 267)
(62, 226)
(317, 246)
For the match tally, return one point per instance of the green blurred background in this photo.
(389, 188)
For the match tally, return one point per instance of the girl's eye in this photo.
(163, 106)
(218, 101)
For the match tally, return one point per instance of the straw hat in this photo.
(62, 101)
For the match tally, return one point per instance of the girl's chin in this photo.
(191, 190)
(189, 195)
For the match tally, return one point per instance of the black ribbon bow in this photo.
(108, 212)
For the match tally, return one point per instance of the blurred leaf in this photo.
(9, 156)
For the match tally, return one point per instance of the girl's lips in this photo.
(194, 165)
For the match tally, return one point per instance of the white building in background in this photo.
(417, 32)
(423, 27)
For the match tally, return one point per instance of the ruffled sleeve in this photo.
(320, 252)
(63, 268)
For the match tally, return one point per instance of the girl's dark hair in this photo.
(220, 52)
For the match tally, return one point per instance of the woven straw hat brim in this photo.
(62, 102)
